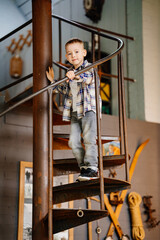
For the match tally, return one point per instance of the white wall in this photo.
(9, 22)
(151, 59)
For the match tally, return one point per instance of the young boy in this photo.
(80, 108)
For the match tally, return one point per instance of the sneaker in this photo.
(82, 172)
(87, 174)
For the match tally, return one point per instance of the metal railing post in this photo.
(60, 56)
(124, 118)
(120, 104)
(99, 142)
(50, 167)
(93, 48)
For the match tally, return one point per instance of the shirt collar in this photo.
(82, 66)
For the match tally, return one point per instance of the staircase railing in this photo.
(15, 83)
(121, 102)
(71, 22)
(122, 113)
(15, 30)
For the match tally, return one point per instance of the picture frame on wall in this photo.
(25, 202)
(111, 148)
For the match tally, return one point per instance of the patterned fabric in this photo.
(85, 93)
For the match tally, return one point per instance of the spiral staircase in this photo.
(58, 220)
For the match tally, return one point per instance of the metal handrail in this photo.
(75, 23)
(97, 63)
(60, 65)
(79, 25)
(15, 30)
(15, 83)
(107, 31)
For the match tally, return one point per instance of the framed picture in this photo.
(25, 203)
(111, 148)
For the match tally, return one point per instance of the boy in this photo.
(80, 108)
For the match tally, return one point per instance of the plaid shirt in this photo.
(85, 94)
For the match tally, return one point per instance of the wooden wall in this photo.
(16, 146)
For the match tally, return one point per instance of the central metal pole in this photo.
(42, 58)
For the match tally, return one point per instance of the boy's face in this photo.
(75, 54)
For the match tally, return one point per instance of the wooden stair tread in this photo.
(68, 166)
(105, 139)
(64, 219)
(60, 141)
(57, 118)
(81, 190)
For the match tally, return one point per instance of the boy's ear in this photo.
(84, 52)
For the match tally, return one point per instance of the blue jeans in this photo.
(86, 126)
